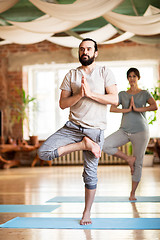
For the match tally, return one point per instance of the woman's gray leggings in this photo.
(72, 133)
(139, 143)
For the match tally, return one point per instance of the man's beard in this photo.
(86, 62)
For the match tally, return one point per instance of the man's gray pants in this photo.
(72, 133)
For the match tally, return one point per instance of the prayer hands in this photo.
(85, 87)
(81, 91)
(132, 105)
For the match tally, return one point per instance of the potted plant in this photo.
(21, 109)
(148, 158)
(149, 154)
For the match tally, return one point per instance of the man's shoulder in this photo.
(104, 70)
(102, 67)
(106, 73)
(74, 70)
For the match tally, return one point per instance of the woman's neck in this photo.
(134, 89)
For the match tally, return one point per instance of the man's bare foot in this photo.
(85, 219)
(91, 146)
(132, 197)
(131, 160)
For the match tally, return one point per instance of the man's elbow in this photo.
(116, 103)
(116, 100)
(61, 105)
(156, 108)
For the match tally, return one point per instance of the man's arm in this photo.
(68, 100)
(111, 96)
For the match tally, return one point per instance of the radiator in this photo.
(76, 158)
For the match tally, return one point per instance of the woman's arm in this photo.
(121, 110)
(152, 106)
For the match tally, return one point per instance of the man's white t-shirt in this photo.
(87, 112)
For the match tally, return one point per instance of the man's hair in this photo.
(135, 70)
(89, 39)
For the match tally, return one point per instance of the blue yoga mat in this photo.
(73, 223)
(28, 208)
(74, 199)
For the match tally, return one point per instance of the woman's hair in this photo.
(135, 70)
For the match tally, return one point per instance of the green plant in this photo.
(152, 118)
(21, 107)
(156, 95)
(156, 92)
(129, 148)
(149, 152)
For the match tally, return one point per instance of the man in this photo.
(86, 91)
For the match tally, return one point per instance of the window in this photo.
(44, 82)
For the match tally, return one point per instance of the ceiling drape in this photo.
(141, 25)
(59, 18)
(46, 24)
(69, 42)
(6, 4)
(99, 36)
(80, 10)
(16, 35)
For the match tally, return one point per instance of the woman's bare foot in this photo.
(91, 146)
(132, 197)
(131, 160)
(86, 219)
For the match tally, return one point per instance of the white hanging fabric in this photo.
(80, 10)
(99, 36)
(15, 35)
(127, 35)
(146, 40)
(46, 24)
(6, 4)
(121, 38)
(140, 25)
(106, 33)
(3, 42)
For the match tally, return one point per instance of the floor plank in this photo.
(39, 184)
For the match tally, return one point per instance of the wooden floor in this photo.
(39, 184)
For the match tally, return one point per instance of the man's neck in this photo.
(88, 69)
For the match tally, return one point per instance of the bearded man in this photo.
(86, 90)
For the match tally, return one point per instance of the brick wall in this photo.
(10, 80)
(14, 56)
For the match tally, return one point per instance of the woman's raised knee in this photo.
(108, 148)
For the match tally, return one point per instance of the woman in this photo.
(133, 128)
